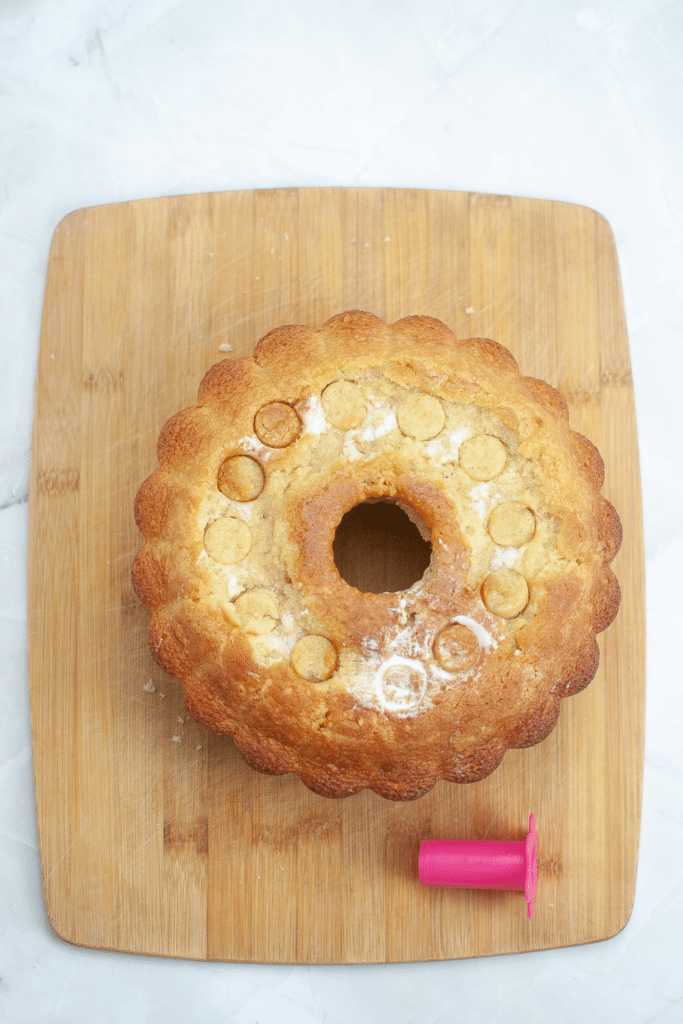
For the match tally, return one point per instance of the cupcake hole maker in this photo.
(482, 864)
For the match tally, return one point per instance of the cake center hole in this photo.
(378, 548)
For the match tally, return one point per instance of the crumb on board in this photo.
(225, 347)
(149, 687)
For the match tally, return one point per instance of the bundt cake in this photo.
(387, 691)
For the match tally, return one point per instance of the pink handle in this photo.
(470, 864)
(480, 864)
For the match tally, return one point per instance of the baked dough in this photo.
(390, 691)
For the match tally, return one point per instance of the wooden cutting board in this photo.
(154, 836)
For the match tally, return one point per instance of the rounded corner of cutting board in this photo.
(63, 930)
(68, 222)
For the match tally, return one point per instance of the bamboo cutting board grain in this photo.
(154, 836)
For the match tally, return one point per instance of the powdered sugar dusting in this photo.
(486, 641)
(274, 647)
(313, 416)
(234, 587)
(398, 673)
(445, 447)
(400, 685)
(483, 499)
(380, 421)
(506, 558)
(251, 445)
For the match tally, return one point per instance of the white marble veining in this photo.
(108, 100)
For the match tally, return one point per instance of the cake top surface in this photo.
(238, 567)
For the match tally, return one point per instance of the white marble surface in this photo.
(108, 100)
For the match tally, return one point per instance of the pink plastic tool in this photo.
(482, 864)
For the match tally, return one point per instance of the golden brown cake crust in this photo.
(390, 691)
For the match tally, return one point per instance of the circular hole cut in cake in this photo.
(381, 547)
(277, 425)
(241, 478)
(420, 416)
(456, 648)
(505, 593)
(401, 684)
(344, 404)
(314, 658)
(511, 524)
(227, 540)
(482, 456)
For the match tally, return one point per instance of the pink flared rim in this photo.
(531, 866)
